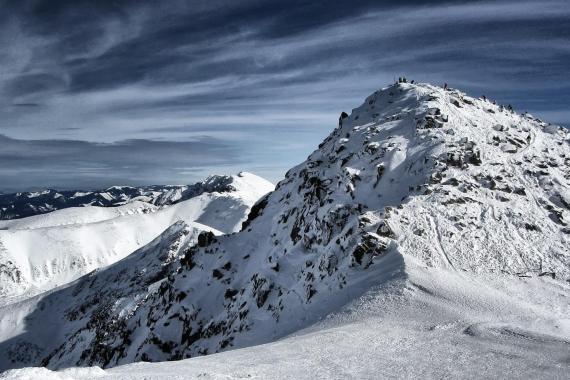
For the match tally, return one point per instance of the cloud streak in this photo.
(257, 75)
(72, 164)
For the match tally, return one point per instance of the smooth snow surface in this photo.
(427, 236)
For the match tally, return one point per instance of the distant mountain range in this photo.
(23, 204)
(40, 252)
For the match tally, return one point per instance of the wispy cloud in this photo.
(80, 164)
(246, 72)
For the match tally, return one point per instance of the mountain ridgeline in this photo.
(24, 204)
(40, 252)
(416, 171)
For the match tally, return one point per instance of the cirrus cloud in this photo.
(255, 76)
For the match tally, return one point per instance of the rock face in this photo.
(416, 170)
(21, 205)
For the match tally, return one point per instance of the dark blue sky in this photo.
(98, 93)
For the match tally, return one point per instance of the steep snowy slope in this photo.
(43, 251)
(119, 284)
(425, 323)
(416, 172)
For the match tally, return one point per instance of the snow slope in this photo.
(415, 174)
(423, 323)
(77, 215)
(40, 252)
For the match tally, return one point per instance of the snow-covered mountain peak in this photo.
(242, 182)
(416, 173)
(491, 172)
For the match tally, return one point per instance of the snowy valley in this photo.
(427, 234)
(40, 252)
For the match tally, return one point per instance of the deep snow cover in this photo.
(43, 251)
(417, 177)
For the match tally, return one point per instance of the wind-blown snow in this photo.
(417, 200)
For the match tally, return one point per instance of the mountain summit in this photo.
(417, 173)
